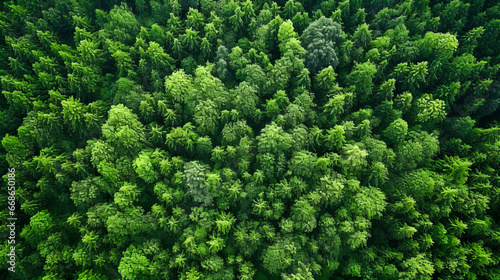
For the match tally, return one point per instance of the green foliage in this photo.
(438, 45)
(120, 25)
(200, 139)
(362, 78)
(194, 179)
(178, 85)
(123, 130)
(278, 256)
(322, 39)
(430, 110)
(396, 132)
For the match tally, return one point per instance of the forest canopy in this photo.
(240, 139)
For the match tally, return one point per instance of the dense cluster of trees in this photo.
(239, 139)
